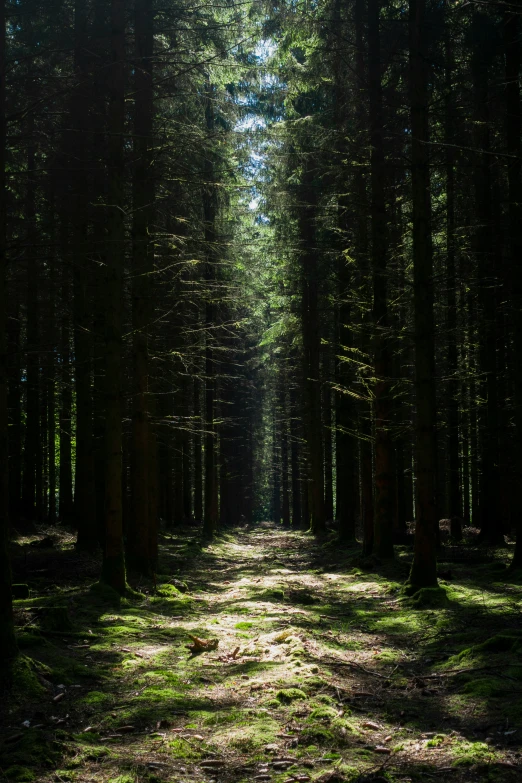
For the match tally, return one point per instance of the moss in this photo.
(169, 591)
(97, 698)
(34, 749)
(104, 594)
(500, 643)
(243, 626)
(181, 749)
(18, 774)
(428, 597)
(323, 698)
(469, 753)
(28, 639)
(485, 687)
(273, 595)
(323, 714)
(25, 682)
(288, 695)
(316, 735)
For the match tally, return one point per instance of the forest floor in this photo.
(323, 670)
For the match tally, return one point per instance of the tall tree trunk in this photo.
(198, 463)
(327, 438)
(66, 492)
(51, 370)
(454, 510)
(32, 443)
(294, 461)
(487, 262)
(513, 134)
(311, 350)
(84, 487)
(285, 506)
(15, 410)
(142, 294)
(7, 637)
(424, 567)
(384, 494)
(209, 217)
(113, 568)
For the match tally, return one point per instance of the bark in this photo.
(209, 216)
(285, 505)
(276, 473)
(294, 461)
(84, 488)
(311, 350)
(198, 464)
(142, 294)
(328, 455)
(367, 489)
(513, 133)
(66, 492)
(51, 369)
(454, 510)
(424, 567)
(32, 445)
(487, 262)
(384, 494)
(15, 410)
(113, 568)
(7, 637)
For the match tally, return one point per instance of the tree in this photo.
(7, 636)
(113, 571)
(424, 567)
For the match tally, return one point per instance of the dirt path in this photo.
(321, 672)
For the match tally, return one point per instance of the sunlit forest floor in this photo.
(323, 671)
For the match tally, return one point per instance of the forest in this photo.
(260, 391)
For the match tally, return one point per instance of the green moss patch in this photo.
(288, 695)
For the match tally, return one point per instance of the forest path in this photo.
(322, 672)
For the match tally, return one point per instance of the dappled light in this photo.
(305, 666)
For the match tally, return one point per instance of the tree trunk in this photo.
(198, 464)
(113, 568)
(84, 487)
(209, 217)
(294, 461)
(311, 351)
(7, 637)
(142, 294)
(66, 492)
(454, 510)
(424, 567)
(487, 261)
(32, 443)
(328, 455)
(513, 133)
(384, 494)
(15, 410)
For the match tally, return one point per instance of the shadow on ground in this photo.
(323, 671)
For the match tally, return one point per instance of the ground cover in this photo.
(323, 669)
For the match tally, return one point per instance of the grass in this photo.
(320, 662)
